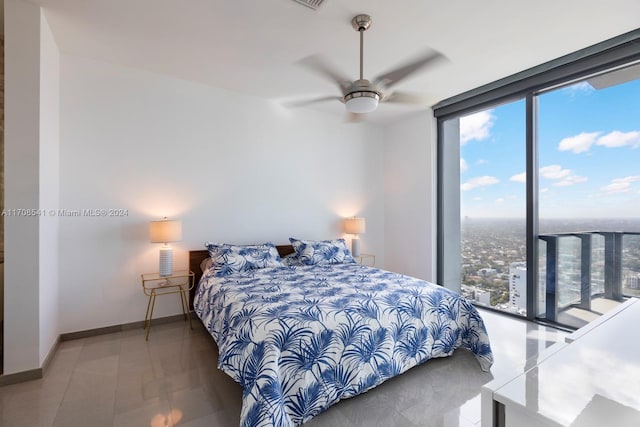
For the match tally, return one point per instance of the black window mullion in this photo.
(440, 204)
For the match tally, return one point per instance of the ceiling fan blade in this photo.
(321, 66)
(393, 77)
(405, 98)
(305, 102)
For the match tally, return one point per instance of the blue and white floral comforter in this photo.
(299, 339)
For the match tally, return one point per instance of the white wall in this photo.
(410, 197)
(31, 183)
(233, 168)
(22, 99)
(48, 186)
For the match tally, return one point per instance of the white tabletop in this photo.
(593, 381)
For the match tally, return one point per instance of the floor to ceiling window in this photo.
(493, 207)
(589, 190)
(539, 187)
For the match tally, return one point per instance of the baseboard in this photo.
(118, 328)
(32, 374)
(52, 352)
(35, 374)
(20, 377)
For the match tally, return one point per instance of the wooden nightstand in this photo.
(180, 282)
(366, 259)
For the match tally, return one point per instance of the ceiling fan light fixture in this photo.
(362, 96)
(361, 102)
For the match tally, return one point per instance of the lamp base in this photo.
(166, 261)
(355, 246)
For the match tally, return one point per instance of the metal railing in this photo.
(612, 268)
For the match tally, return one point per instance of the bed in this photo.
(299, 338)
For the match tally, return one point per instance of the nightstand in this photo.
(366, 259)
(153, 285)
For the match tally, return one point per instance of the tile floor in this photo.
(121, 380)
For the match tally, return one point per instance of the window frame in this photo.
(615, 52)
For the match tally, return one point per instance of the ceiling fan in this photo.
(362, 96)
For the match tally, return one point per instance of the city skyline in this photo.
(493, 261)
(589, 161)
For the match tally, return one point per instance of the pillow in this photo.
(205, 264)
(291, 260)
(314, 252)
(228, 259)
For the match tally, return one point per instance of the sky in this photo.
(589, 155)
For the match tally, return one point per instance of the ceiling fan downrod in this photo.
(361, 23)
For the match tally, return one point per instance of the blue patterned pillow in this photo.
(228, 259)
(313, 252)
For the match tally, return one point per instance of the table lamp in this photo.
(355, 226)
(165, 231)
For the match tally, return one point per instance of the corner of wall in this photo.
(2, 181)
(410, 198)
(49, 188)
(31, 141)
(22, 65)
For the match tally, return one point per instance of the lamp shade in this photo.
(165, 231)
(354, 225)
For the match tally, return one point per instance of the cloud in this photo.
(554, 172)
(500, 201)
(621, 185)
(579, 88)
(566, 177)
(620, 139)
(563, 177)
(480, 181)
(583, 141)
(476, 126)
(578, 143)
(521, 177)
(570, 180)
(617, 187)
(463, 165)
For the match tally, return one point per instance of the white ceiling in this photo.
(252, 46)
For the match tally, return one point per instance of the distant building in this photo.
(487, 272)
(476, 294)
(483, 297)
(633, 281)
(518, 285)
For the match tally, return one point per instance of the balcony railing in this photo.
(613, 270)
